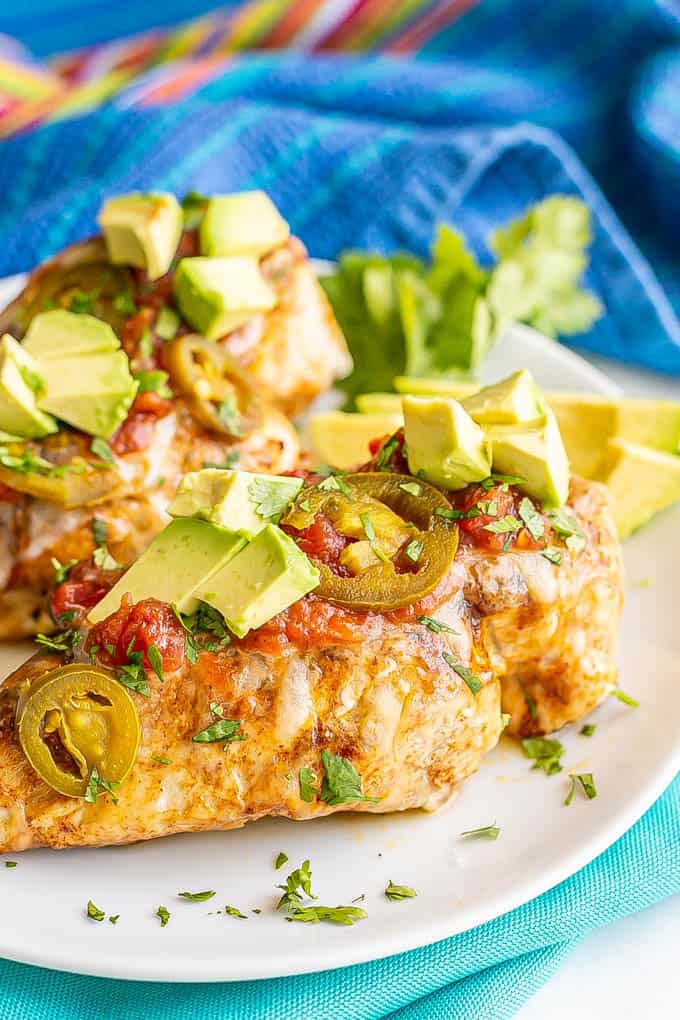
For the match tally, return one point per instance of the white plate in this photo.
(634, 755)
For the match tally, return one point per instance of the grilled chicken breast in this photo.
(290, 354)
(372, 689)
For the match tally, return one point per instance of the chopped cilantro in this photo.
(436, 626)
(413, 488)
(485, 832)
(532, 519)
(65, 641)
(153, 381)
(530, 702)
(235, 912)
(222, 729)
(161, 759)
(97, 785)
(62, 570)
(385, 453)
(588, 729)
(82, 303)
(10, 864)
(341, 782)
(553, 556)
(504, 525)
(336, 483)
(307, 781)
(113, 918)
(297, 884)
(100, 531)
(229, 415)
(587, 783)
(546, 753)
(146, 345)
(94, 913)
(399, 892)
(156, 661)
(164, 914)
(449, 515)
(281, 859)
(474, 682)
(625, 698)
(335, 915)
(564, 524)
(197, 897)
(269, 498)
(132, 675)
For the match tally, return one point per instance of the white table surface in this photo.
(631, 969)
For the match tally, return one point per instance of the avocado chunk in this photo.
(459, 389)
(217, 295)
(513, 401)
(60, 334)
(247, 223)
(241, 501)
(535, 454)
(263, 579)
(92, 393)
(444, 445)
(142, 230)
(178, 560)
(642, 482)
(20, 383)
(341, 439)
(378, 403)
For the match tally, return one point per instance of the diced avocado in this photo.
(342, 439)
(444, 445)
(266, 577)
(642, 482)
(513, 401)
(535, 454)
(456, 388)
(247, 223)
(237, 500)
(20, 383)
(142, 230)
(178, 560)
(378, 403)
(217, 295)
(650, 422)
(61, 334)
(92, 393)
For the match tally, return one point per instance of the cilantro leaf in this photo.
(625, 698)
(96, 785)
(485, 832)
(100, 531)
(222, 729)
(65, 641)
(436, 626)
(532, 519)
(297, 884)
(100, 448)
(164, 915)
(156, 661)
(399, 892)
(587, 784)
(235, 912)
(153, 381)
(504, 525)
(335, 915)
(132, 674)
(62, 570)
(229, 415)
(94, 913)
(474, 682)
(307, 781)
(271, 497)
(281, 859)
(546, 753)
(341, 782)
(104, 560)
(563, 522)
(197, 897)
(413, 550)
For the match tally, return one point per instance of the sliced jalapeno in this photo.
(80, 279)
(76, 718)
(220, 392)
(380, 586)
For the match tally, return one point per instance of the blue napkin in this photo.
(374, 152)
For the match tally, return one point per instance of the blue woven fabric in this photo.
(515, 101)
